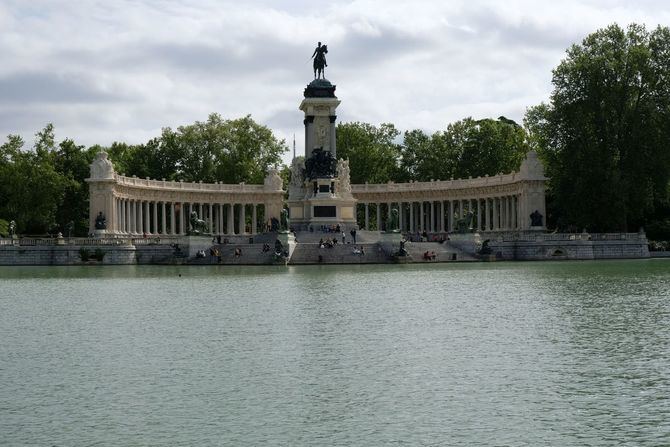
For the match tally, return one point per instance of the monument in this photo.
(320, 190)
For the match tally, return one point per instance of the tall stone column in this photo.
(140, 216)
(243, 218)
(422, 217)
(231, 216)
(147, 217)
(122, 203)
(173, 220)
(254, 217)
(441, 216)
(134, 206)
(367, 217)
(451, 216)
(182, 211)
(496, 213)
(412, 227)
(220, 219)
(163, 219)
(401, 223)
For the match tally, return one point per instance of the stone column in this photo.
(199, 208)
(123, 215)
(254, 216)
(210, 220)
(130, 215)
(231, 222)
(367, 217)
(422, 218)
(243, 218)
(451, 216)
(163, 219)
(441, 216)
(182, 210)
(154, 217)
(173, 221)
(411, 218)
(401, 224)
(220, 219)
(140, 216)
(496, 213)
(133, 217)
(147, 217)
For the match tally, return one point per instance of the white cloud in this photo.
(105, 71)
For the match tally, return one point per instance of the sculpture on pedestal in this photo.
(319, 57)
(284, 223)
(100, 222)
(343, 176)
(536, 219)
(273, 181)
(102, 167)
(12, 228)
(321, 164)
(198, 226)
(464, 224)
(392, 222)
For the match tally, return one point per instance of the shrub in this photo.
(84, 254)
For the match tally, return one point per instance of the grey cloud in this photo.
(360, 49)
(45, 87)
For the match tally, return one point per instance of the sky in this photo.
(104, 71)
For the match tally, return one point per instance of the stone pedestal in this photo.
(324, 198)
(193, 244)
(99, 234)
(470, 243)
(390, 241)
(288, 242)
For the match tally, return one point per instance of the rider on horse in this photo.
(320, 59)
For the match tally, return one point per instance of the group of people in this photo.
(359, 251)
(429, 256)
(328, 243)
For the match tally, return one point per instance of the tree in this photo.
(605, 132)
(31, 187)
(229, 151)
(467, 148)
(372, 151)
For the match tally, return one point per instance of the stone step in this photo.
(443, 251)
(339, 254)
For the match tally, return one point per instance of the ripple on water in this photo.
(567, 353)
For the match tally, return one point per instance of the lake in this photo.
(487, 354)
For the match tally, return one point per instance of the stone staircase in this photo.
(251, 254)
(443, 251)
(362, 237)
(309, 253)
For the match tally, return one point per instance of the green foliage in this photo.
(32, 187)
(604, 135)
(658, 230)
(229, 151)
(467, 148)
(373, 154)
(4, 228)
(98, 254)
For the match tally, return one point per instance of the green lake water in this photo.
(484, 354)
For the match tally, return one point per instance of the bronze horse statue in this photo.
(320, 64)
(198, 226)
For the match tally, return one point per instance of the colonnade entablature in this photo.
(136, 206)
